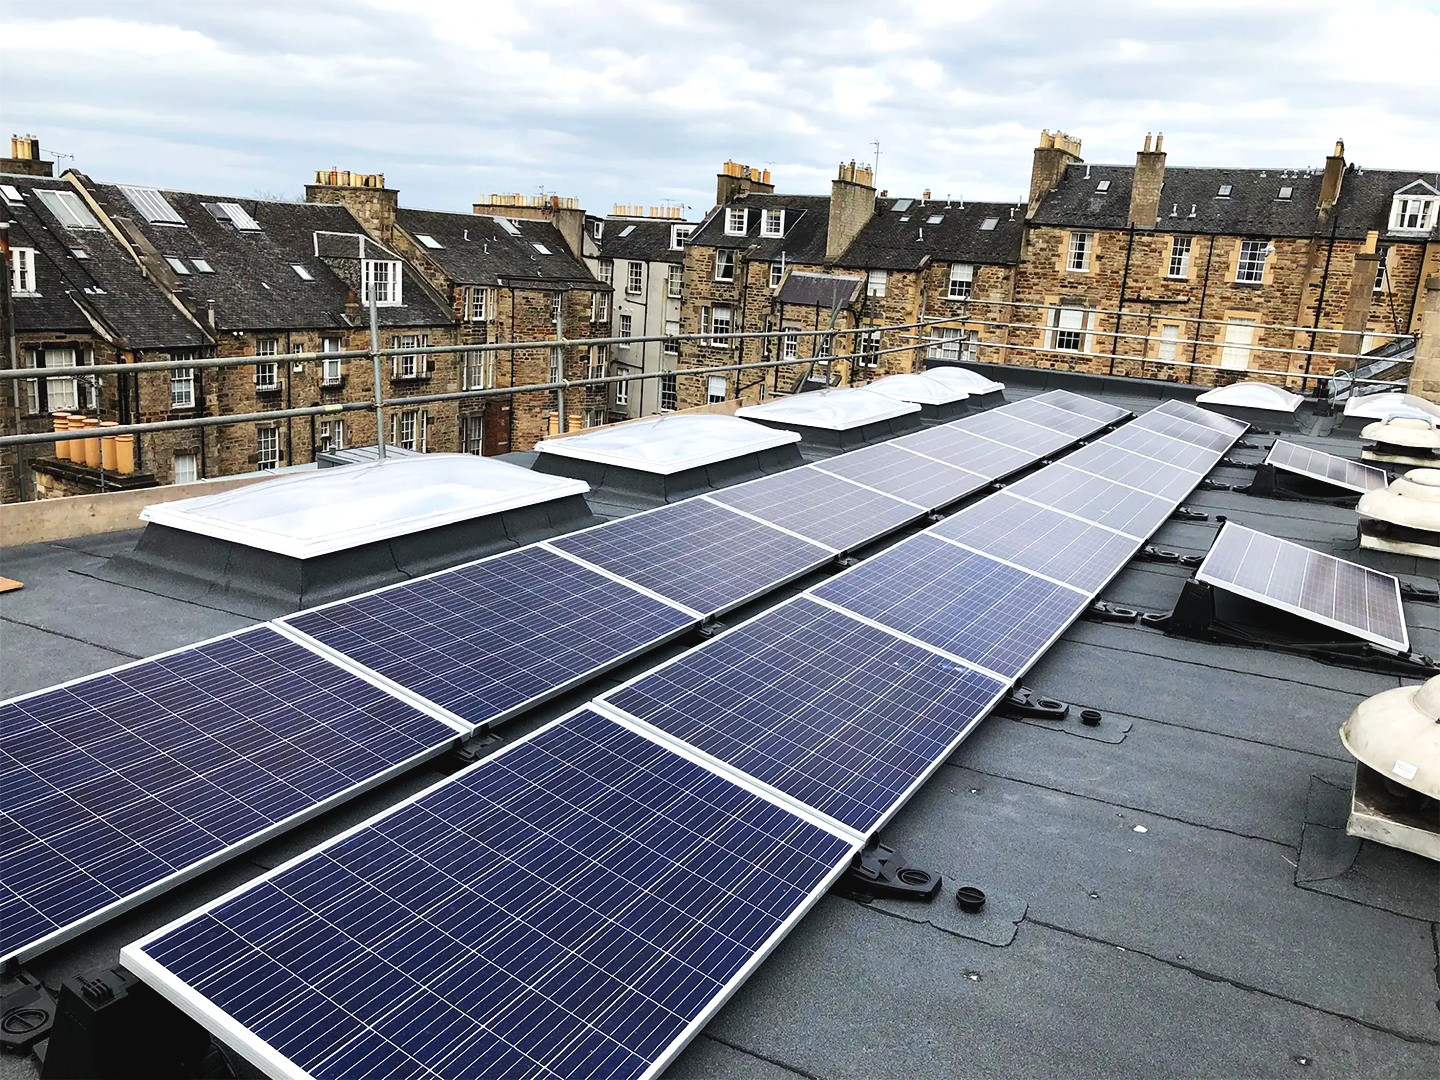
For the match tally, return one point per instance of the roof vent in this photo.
(1403, 440)
(1403, 517)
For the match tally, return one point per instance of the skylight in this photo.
(12, 194)
(934, 219)
(243, 221)
(1286, 192)
(988, 225)
(509, 226)
(627, 230)
(202, 266)
(178, 265)
(1224, 192)
(80, 253)
(541, 248)
(301, 272)
(429, 241)
(1104, 185)
(152, 206)
(68, 207)
(902, 205)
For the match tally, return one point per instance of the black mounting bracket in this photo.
(474, 746)
(709, 628)
(878, 873)
(27, 1011)
(1214, 485)
(1231, 463)
(1022, 701)
(1104, 611)
(1151, 553)
(1195, 616)
(1186, 513)
(1273, 483)
(1417, 594)
(842, 562)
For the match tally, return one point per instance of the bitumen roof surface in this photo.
(1170, 893)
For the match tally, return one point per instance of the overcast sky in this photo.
(637, 102)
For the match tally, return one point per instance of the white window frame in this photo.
(717, 389)
(737, 221)
(622, 392)
(671, 345)
(1180, 249)
(475, 433)
(599, 307)
(557, 308)
(182, 384)
(605, 271)
(725, 264)
(869, 342)
(1413, 213)
(410, 365)
(1250, 266)
(332, 372)
(772, 222)
(1079, 251)
(790, 344)
(962, 281)
(674, 281)
(178, 265)
(389, 284)
(955, 345)
(23, 281)
(330, 436)
(598, 362)
(1234, 353)
(479, 370)
(777, 273)
(669, 392)
(557, 364)
(718, 319)
(267, 447)
(678, 235)
(410, 430)
(477, 304)
(1380, 270)
(1168, 348)
(187, 474)
(1069, 323)
(876, 283)
(626, 327)
(65, 394)
(267, 374)
(635, 278)
(68, 207)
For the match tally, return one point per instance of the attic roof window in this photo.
(1286, 192)
(988, 225)
(178, 265)
(541, 248)
(1104, 185)
(239, 217)
(904, 217)
(302, 273)
(902, 205)
(1224, 192)
(152, 206)
(627, 230)
(202, 266)
(509, 226)
(678, 235)
(934, 219)
(80, 253)
(429, 241)
(68, 207)
(12, 194)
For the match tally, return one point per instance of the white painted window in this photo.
(68, 207)
(1179, 257)
(790, 349)
(1067, 331)
(1251, 267)
(669, 393)
(1078, 257)
(410, 430)
(737, 221)
(599, 307)
(1413, 213)
(672, 339)
(267, 447)
(824, 346)
(716, 389)
(597, 228)
(1380, 270)
(22, 272)
(182, 384)
(720, 324)
(627, 323)
(1239, 336)
(598, 364)
(605, 270)
(954, 346)
(777, 274)
(557, 308)
(870, 348)
(61, 395)
(479, 370)
(557, 363)
(962, 280)
(594, 417)
(382, 278)
(635, 278)
(679, 234)
(267, 375)
(876, 282)
(410, 365)
(1169, 340)
(622, 393)
(772, 223)
(475, 433)
(331, 371)
(429, 241)
(203, 266)
(477, 303)
(674, 281)
(185, 468)
(330, 435)
(724, 265)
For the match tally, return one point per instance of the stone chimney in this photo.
(1425, 372)
(1334, 174)
(1052, 155)
(24, 159)
(364, 194)
(852, 204)
(1145, 186)
(735, 179)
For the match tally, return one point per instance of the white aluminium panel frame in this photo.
(304, 515)
(234, 1034)
(123, 904)
(671, 443)
(1202, 574)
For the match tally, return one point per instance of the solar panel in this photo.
(1152, 444)
(1339, 594)
(1096, 410)
(576, 905)
(1134, 470)
(1012, 431)
(1054, 418)
(696, 553)
(1039, 539)
(834, 712)
(996, 616)
(1196, 415)
(1173, 426)
(905, 475)
(825, 508)
(956, 446)
(116, 786)
(488, 639)
(1096, 499)
(1351, 475)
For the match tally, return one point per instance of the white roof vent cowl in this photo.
(1403, 517)
(1395, 737)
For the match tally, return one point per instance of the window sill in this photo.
(269, 389)
(1249, 284)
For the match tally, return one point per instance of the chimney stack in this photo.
(1145, 185)
(1334, 174)
(1054, 153)
(24, 159)
(363, 194)
(852, 204)
(735, 179)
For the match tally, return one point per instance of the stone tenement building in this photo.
(642, 255)
(509, 271)
(1333, 249)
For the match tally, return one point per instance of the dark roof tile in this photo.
(476, 249)
(807, 219)
(942, 231)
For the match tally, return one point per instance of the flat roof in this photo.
(669, 444)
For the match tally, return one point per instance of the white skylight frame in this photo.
(669, 444)
(152, 205)
(68, 207)
(426, 240)
(202, 265)
(240, 217)
(177, 264)
(301, 272)
(833, 409)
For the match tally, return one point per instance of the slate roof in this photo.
(1366, 196)
(807, 218)
(904, 239)
(477, 250)
(647, 241)
(253, 285)
(109, 282)
(1253, 207)
(828, 291)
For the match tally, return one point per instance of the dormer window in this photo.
(678, 235)
(772, 223)
(382, 278)
(22, 271)
(737, 220)
(1414, 210)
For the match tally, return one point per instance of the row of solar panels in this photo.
(115, 786)
(580, 903)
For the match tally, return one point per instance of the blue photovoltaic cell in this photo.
(1095, 498)
(112, 784)
(1183, 455)
(1010, 430)
(488, 638)
(835, 713)
(1040, 539)
(1096, 410)
(905, 475)
(1196, 415)
(1052, 417)
(564, 909)
(971, 606)
(1176, 428)
(1134, 470)
(955, 446)
(696, 553)
(825, 508)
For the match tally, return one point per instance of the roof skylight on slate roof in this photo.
(202, 266)
(80, 253)
(302, 273)
(988, 225)
(68, 207)
(1104, 185)
(902, 205)
(241, 219)
(509, 226)
(178, 265)
(1286, 192)
(429, 241)
(627, 230)
(12, 194)
(934, 219)
(1224, 192)
(152, 205)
